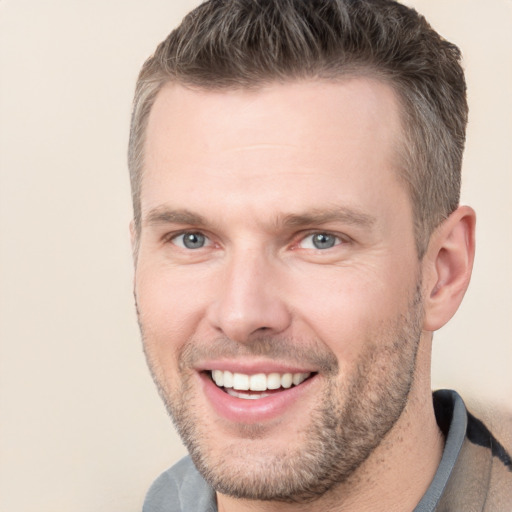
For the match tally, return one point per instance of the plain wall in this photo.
(81, 426)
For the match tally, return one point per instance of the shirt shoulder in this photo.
(491, 430)
(179, 489)
(482, 477)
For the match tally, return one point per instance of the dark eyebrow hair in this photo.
(336, 214)
(164, 215)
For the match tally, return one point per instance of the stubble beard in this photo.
(350, 421)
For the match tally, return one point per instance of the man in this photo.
(298, 238)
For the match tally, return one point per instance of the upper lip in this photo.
(252, 367)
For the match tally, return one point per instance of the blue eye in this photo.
(319, 241)
(190, 240)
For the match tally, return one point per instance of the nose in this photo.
(249, 301)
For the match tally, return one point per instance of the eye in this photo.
(319, 241)
(190, 240)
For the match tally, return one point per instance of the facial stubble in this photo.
(352, 417)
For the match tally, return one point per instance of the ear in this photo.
(134, 239)
(447, 267)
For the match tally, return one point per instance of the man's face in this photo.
(277, 253)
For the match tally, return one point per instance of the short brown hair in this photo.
(226, 44)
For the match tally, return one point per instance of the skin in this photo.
(257, 173)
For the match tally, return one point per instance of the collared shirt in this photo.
(475, 472)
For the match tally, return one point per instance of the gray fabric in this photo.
(454, 439)
(183, 489)
(180, 489)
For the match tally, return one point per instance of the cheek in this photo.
(348, 307)
(170, 306)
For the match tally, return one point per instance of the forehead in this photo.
(301, 135)
(357, 103)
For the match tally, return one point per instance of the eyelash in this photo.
(172, 239)
(338, 240)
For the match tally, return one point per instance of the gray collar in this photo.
(452, 418)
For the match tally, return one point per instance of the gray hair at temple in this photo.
(231, 44)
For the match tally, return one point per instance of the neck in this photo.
(394, 477)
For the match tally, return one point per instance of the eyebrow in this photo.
(336, 214)
(164, 215)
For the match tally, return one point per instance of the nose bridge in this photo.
(249, 300)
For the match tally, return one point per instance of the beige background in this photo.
(81, 428)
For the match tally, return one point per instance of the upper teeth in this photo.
(258, 381)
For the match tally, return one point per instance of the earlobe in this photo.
(449, 262)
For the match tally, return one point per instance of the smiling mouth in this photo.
(260, 385)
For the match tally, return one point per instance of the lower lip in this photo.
(241, 410)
